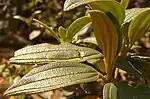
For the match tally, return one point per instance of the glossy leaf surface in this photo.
(106, 36)
(113, 7)
(76, 26)
(52, 76)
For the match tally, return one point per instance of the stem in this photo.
(48, 28)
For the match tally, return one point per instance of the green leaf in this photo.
(76, 26)
(71, 4)
(45, 53)
(139, 26)
(62, 33)
(125, 3)
(28, 20)
(135, 65)
(110, 91)
(106, 5)
(52, 76)
(124, 91)
(130, 14)
(113, 7)
(140, 91)
(106, 37)
(48, 28)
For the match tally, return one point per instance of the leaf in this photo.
(52, 76)
(110, 91)
(140, 91)
(76, 26)
(106, 36)
(125, 3)
(62, 33)
(28, 20)
(106, 5)
(124, 91)
(48, 28)
(45, 53)
(139, 26)
(130, 14)
(34, 34)
(71, 4)
(134, 65)
(118, 29)
(113, 7)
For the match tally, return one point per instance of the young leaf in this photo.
(125, 3)
(139, 26)
(76, 26)
(130, 14)
(52, 76)
(71, 4)
(106, 36)
(113, 7)
(62, 33)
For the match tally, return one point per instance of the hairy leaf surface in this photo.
(45, 53)
(52, 76)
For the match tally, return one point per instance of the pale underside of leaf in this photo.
(71, 4)
(52, 76)
(45, 53)
(106, 36)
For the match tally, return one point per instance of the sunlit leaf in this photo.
(34, 34)
(106, 36)
(106, 5)
(76, 26)
(45, 53)
(52, 76)
(62, 33)
(71, 4)
(130, 14)
(125, 3)
(113, 7)
(139, 26)
(135, 65)
(110, 91)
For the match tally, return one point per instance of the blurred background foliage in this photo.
(15, 34)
